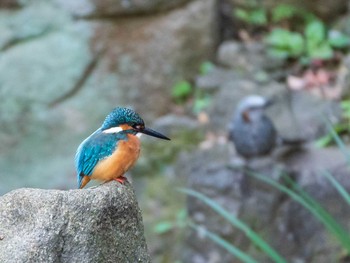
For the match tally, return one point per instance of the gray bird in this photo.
(251, 131)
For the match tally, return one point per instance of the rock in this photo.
(98, 8)
(159, 50)
(303, 110)
(12, 3)
(246, 57)
(215, 78)
(68, 63)
(343, 76)
(205, 172)
(282, 222)
(100, 224)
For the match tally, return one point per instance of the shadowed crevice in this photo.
(81, 81)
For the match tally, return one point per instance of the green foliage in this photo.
(251, 234)
(244, 257)
(181, 90)
(285, 44)
(283, 12)
(314, 43)
(206, 67)
(341, 190)
(337, 129)
(256, 16)
(303, 198)
(317, 46)
(166, 226)
(337, 39)
(201, 101)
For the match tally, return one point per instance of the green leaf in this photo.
(313, 206)
(244, 257)
(282, 12)
(296, 44)
(323, 141)
(255, 16)
(337, 39)
(258, 17)
(163, 227)
(206, 67)
(200, 103)
(278, 53)
(315, 32)
(341, 190)
(182, 214)
(322, 51)
(251, 234)
(241, 14)
(345, 104)
(284, 44)
(181, 90)
(338, 140)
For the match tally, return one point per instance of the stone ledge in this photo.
(102, 224)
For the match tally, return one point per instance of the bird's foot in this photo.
(121, 179)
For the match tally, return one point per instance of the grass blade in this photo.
(253, 236)
(337, 186)
(313, 206)
(338, 140)
(244, 257)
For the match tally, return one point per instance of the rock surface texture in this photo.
(102, 224)
(65, 64)
(287, 226)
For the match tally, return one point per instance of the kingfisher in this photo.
(113, 148)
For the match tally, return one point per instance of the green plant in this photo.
(337, 129)
(206, 67)
(311, 41)
(244, 257)
(314, 43)
(165, 226)
(294, 191)
(181, 91)
(303, 198)
(283, 11)
(285, 44)
(317, 45)
(251, 234)
(255, 16)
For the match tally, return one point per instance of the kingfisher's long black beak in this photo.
(153, 133)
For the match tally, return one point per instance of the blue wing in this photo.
(93, 149)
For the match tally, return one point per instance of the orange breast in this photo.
(120, 161)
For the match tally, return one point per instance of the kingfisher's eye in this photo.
(138, 126)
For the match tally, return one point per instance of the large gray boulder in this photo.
(101, 224)
(99, 8)
(60, 76)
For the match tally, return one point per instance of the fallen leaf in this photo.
(295, 83)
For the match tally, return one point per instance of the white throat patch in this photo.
(113, 130)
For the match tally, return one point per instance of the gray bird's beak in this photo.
(268, 103)
(153, 133)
